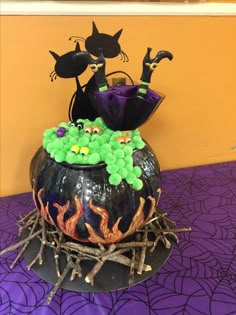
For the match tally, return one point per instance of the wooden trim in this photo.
(115, 8)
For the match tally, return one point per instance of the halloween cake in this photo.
(103, 177)
(96, 182)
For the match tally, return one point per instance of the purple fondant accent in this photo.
(61, 131)
(198, 278)
(121, 109)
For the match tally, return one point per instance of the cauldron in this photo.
(81, 202)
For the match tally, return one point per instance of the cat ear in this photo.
(117, 35)
(95, 30)
(77, 47)
(55, 56)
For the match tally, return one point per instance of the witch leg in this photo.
(98, 68)
(149, 65)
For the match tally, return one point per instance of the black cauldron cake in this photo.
(97, 180)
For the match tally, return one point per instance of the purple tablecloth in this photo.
(198, 278)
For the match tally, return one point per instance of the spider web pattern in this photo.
(198, 278)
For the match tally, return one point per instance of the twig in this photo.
(157, 239)
(135, 244)
(82, 248)
(76, 270)
(165, 241)
(168, 220)
(19, 244)
(132, 267)
(26, 243)
(143, 252)
(59, 282)
(38, 257)
(56, 257)
(123, 260)
(90, 276)
(22, 220)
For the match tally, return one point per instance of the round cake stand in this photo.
(112, 276)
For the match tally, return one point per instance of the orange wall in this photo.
(196, 123)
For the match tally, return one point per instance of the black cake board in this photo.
(112, 276)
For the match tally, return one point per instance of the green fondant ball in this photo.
(123, 172)
(79, 159)
(98, 121)
(128, 160)
(139, 144)
(83, 141)
(120, 162)
(137, 184)
(49, 147)
(94, 146)
(130, 178)
(71, 158)
(53, 153)
(128, 150)
(129, 167)
(94, 158)
(84, 159)
(48, 132)
(110, 159)
(101, 140)
(45, 143)
(58, 144)
(137, 171)
(119, 154)
(112, 168)
(73, 131)
(106, 148)
(115, 179)
(60, 156)
(115, 145)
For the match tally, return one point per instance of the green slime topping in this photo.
(96, 143)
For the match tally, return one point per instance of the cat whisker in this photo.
(124, 57)
(77, 38)
(52, 73)
(53, 76)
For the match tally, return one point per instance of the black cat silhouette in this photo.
(73, 63)
(108, 43)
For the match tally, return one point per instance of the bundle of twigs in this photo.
(158, 229)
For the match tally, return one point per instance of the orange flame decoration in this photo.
(44, 211)
(109, 236)
(69, 226)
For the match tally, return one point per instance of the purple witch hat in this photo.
(126, 107)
